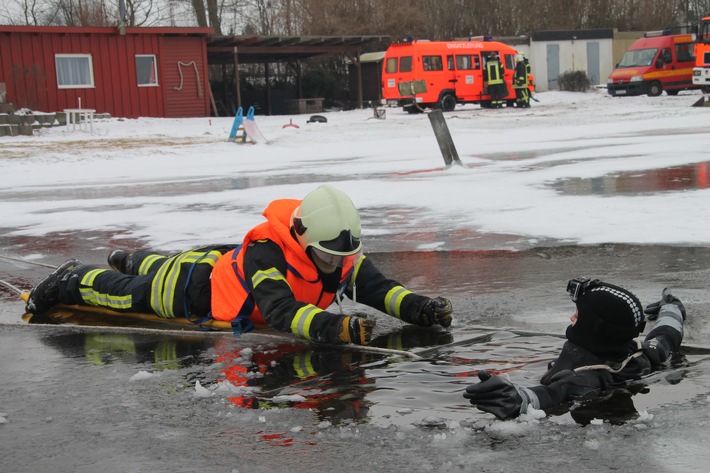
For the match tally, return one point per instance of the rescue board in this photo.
(100, 317)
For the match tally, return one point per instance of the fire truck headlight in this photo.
(610, 80)
(636, 79)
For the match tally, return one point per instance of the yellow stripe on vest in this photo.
(393, 300)
(301, 323)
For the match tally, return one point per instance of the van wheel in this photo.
(448, 103)
(655, 89)
(706, 89)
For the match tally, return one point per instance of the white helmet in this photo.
(327, 221)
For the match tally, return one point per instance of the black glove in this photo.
(656, 353)
(653, 309)
(436, 311)
(498, 396)
(357, 330)
(580, 384)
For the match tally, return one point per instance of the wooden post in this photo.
(268, 88)
(358, 65)
(443, 137)
(236, 78)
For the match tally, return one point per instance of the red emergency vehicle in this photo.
(440, 74)
(701, 71)
(659, 61)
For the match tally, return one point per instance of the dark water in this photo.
(128, 399)
(671, 179)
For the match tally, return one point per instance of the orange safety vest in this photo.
(231, 295)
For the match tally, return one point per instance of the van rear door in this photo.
(397, 69)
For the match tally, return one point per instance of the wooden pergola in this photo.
(236, 50)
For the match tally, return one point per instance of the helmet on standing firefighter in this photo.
(327, 225)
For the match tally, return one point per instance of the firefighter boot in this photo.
(45, 295)
(121, 261)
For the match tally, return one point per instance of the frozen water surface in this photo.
(581, 184)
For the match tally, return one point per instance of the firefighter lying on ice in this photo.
(287, 272)
(601, 352)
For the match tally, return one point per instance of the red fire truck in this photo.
(440, 74)
(701, 71)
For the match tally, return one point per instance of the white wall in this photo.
(572, 56)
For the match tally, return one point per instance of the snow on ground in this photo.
(177, 182)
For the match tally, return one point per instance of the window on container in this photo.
(432, 63)
(74, 71)
(405, 64)
(391, 65)
(146, 70)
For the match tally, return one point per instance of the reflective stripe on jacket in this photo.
(493, 72)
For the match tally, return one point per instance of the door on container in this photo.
(593, 62)
(553, 66)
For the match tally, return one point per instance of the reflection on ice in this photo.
(675, 178)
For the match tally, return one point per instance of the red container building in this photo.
(137, 72)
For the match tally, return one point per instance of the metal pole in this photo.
(443, 137)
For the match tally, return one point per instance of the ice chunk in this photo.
(201, 391)
(141, 375)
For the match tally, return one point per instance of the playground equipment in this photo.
(243, 130)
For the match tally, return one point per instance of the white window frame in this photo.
(90, 62)
(155, 70)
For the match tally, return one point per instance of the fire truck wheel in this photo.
(448, 103)
(672, 92)
(655, 89)
(706, 89)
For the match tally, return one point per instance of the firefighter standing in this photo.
(520, 83)
(494, 77)
(287, 272)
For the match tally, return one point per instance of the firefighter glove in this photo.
(498, 396)
(436, 311)
(357, 330)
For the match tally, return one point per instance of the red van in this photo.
(655, 63)
(440, 74)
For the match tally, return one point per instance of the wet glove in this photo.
(656, 353)
(498, 396)
(652, 310)
(357, 330)
(435, 311)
